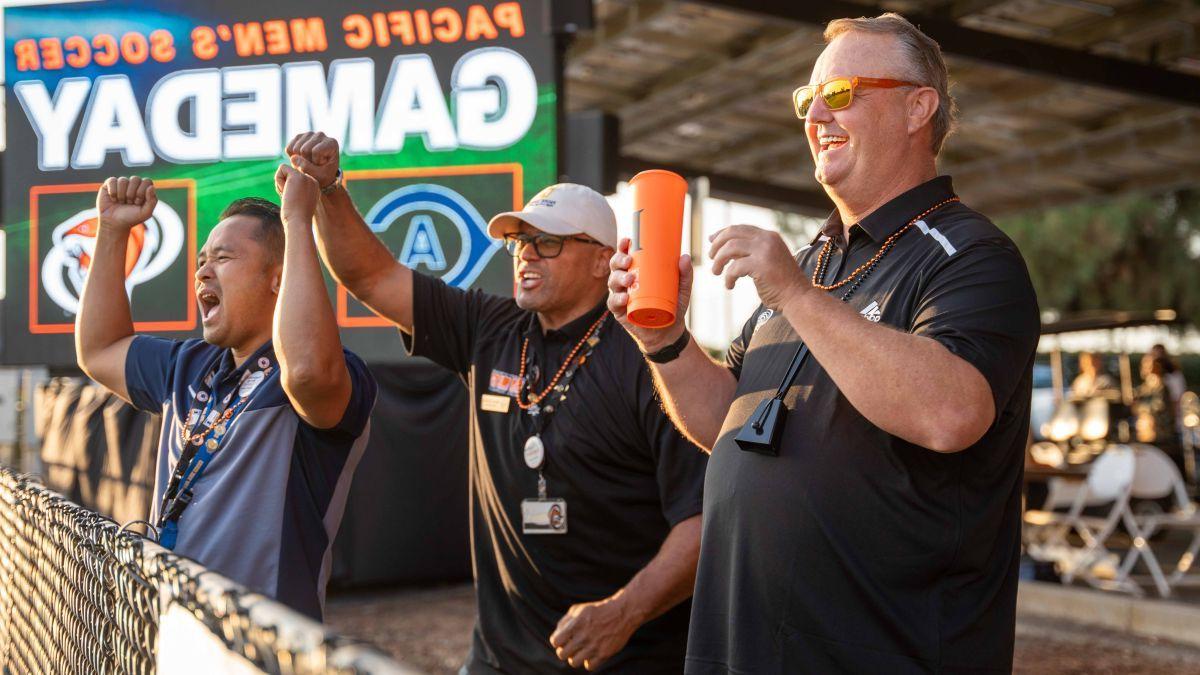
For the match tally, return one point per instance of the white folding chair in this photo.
(1108, 482)
(1157, 477)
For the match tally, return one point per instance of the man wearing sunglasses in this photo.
(878, 529)
(585, 499)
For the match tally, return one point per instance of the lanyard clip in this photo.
(178, 505)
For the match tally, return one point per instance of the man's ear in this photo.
(601, 270)
(922, 106)
(276, 280)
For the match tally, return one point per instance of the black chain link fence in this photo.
(78, 594)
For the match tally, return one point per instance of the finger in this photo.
(558, 637)
(151, 196)
(281, 176)
(685, 282)
(303, 164)
(616, 282)
(122, 187)
(736, 270)
(574, 641)
(618, 304)
(296, 141)
(732, 231)
(620, 261)
(110, 186)
(325, 151)
(624, 244)
(142, 189)
(309, 143)
(730, 251)
(134, 189)
(562, 654)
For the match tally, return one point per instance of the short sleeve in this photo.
(737, 349)
(448, 322)
(679, 464)
(981, 306)
(149, 364)
(363, 392)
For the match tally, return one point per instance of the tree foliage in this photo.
(1132, 252)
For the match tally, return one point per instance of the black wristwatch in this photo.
(672, 351)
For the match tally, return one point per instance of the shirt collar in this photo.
(572, 330)
(226, 369)
(885, 220)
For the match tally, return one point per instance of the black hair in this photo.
(270, 223)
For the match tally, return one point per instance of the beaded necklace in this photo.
(865, 269)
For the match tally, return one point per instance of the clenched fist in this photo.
(317, 155)
(298, 193)
(125, 202)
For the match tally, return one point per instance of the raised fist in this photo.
(315, 154)
(125, 202)
(298, 193)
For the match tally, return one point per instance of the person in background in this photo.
(1093, 380)
(1154, 412)
(1173, 375)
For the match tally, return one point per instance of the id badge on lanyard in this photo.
(543, 515)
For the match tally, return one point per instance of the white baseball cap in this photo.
(562, 209)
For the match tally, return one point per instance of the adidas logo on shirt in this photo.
(872, 312)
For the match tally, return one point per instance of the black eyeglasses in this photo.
(545, 245)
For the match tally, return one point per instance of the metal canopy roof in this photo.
(1108, 320)
(1060, 100)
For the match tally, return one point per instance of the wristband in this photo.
(337, 180)
(672, 351)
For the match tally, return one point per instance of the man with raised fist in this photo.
(266, 418)
(585, 509)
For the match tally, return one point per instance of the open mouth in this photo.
(832, 141)
(210, 305)
(529, 279)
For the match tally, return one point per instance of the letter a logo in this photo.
(421, 245)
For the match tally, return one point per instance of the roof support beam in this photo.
(734, 188)
(1062, 63)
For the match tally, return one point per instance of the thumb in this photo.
(303, 164)
(281, 176)
(685, 280)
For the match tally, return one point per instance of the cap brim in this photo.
(504, 223)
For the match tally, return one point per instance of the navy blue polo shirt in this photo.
(267, 508)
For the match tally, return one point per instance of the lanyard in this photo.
(535, 448)
(199, 449)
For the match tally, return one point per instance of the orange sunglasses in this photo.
(839, 92)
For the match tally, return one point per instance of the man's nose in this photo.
(203, 271)
(819, 112)
(529, 252)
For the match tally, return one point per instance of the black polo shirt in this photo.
(853, 550)
(626, 474)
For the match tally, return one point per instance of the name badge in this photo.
(494, 403)
(544, 516)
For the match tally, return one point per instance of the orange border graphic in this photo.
(343, 304)
(38, 328)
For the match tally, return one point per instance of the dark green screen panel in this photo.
(445, 112)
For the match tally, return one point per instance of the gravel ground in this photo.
(430, 629)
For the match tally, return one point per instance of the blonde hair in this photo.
(926, 65)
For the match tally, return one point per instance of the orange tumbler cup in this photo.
(657, 230)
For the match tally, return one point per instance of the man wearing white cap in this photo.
(585, 500)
